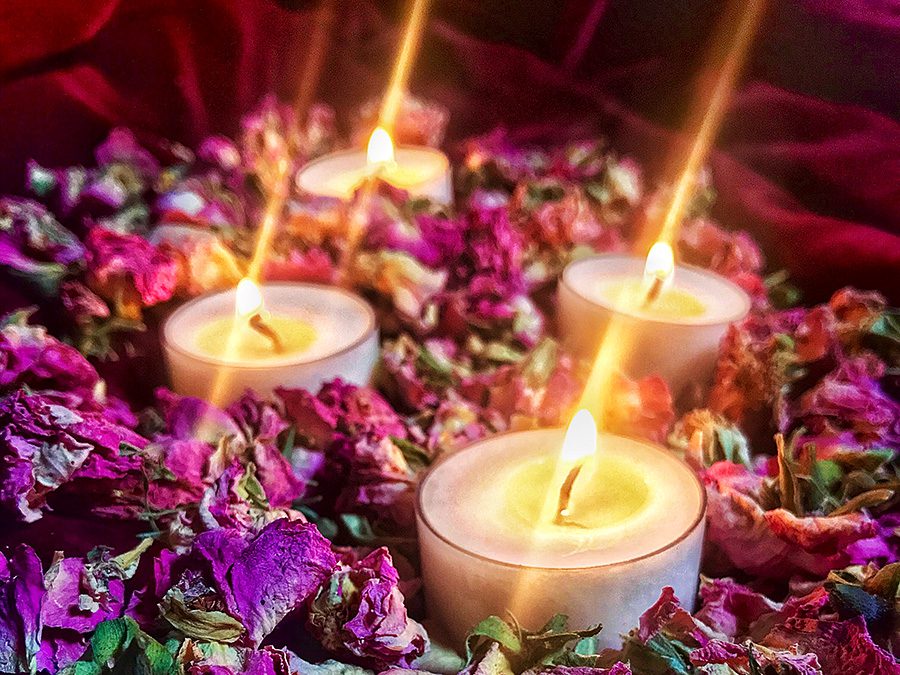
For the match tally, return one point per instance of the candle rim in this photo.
(698, 521)
(745, 301)
(370, 329)
(445, 161)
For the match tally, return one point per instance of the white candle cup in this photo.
(345, 343)
(421, 171)
(682, 349)
(474, 565)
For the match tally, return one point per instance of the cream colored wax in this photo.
(233, 338)
(326, 332)
(677, 336)
(488, 547)
(423, 172)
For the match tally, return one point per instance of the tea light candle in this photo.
(421, 171)
(219, 345)
(675, 334)
(489, 544)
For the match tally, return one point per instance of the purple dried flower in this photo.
(340, 407)
(129, 271)
(732, 608)
(30, 356)
(187, 418)
(851, 399)
(44, 445)
(121, 147)
(202, 202)
(220, 152)
(360, 611)
(237, 500)
(840, 646)
(34, 245)
(775, 543)
(82, 303)
(21, 596)
(271, 575)
(410, 285)
(431, 238)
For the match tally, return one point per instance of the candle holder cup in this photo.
(347, 346)
(463, 586)
(682, 350)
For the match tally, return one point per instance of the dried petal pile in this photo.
(277, 536)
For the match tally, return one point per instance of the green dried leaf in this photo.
(782, 293)
(494, 662)
(866, 460)
(109, 638)
(414, 453)
(734, 445)
(671, 652)
(864, 501)
(537, 194)
(327, 526)
(789, 489)
(86, 668)
(539, 364)
(359, 527)
(500, 352)
(826, 476)
(440, 368)
(496, 630)
(128, 561)
(249, 488)
(159, 660)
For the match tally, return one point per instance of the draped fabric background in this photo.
(808, 159)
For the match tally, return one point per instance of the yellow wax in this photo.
(215, 338)
(672, 303)
(608, 492)
(398, 175)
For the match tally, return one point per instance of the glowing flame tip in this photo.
(581, 437)
(381, 147)
(248, 298)
(660, 262)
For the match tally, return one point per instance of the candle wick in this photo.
(655, 290)
(258, 324)
(563, 510)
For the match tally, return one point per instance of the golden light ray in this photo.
(357, 216)
(727, 55)
(267, 229)
(412, 38)
(705, 120)
(735, 42)
(271, 217)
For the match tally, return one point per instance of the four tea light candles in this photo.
(280, 334)
(421, 171)
(675, 334)
(594, 531)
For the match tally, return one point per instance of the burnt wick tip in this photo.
(259, 324)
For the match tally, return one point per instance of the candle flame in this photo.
(660, 264)
(381, 147)
(581, 437)
(248, 298)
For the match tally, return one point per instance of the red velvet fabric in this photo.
(808, 159)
